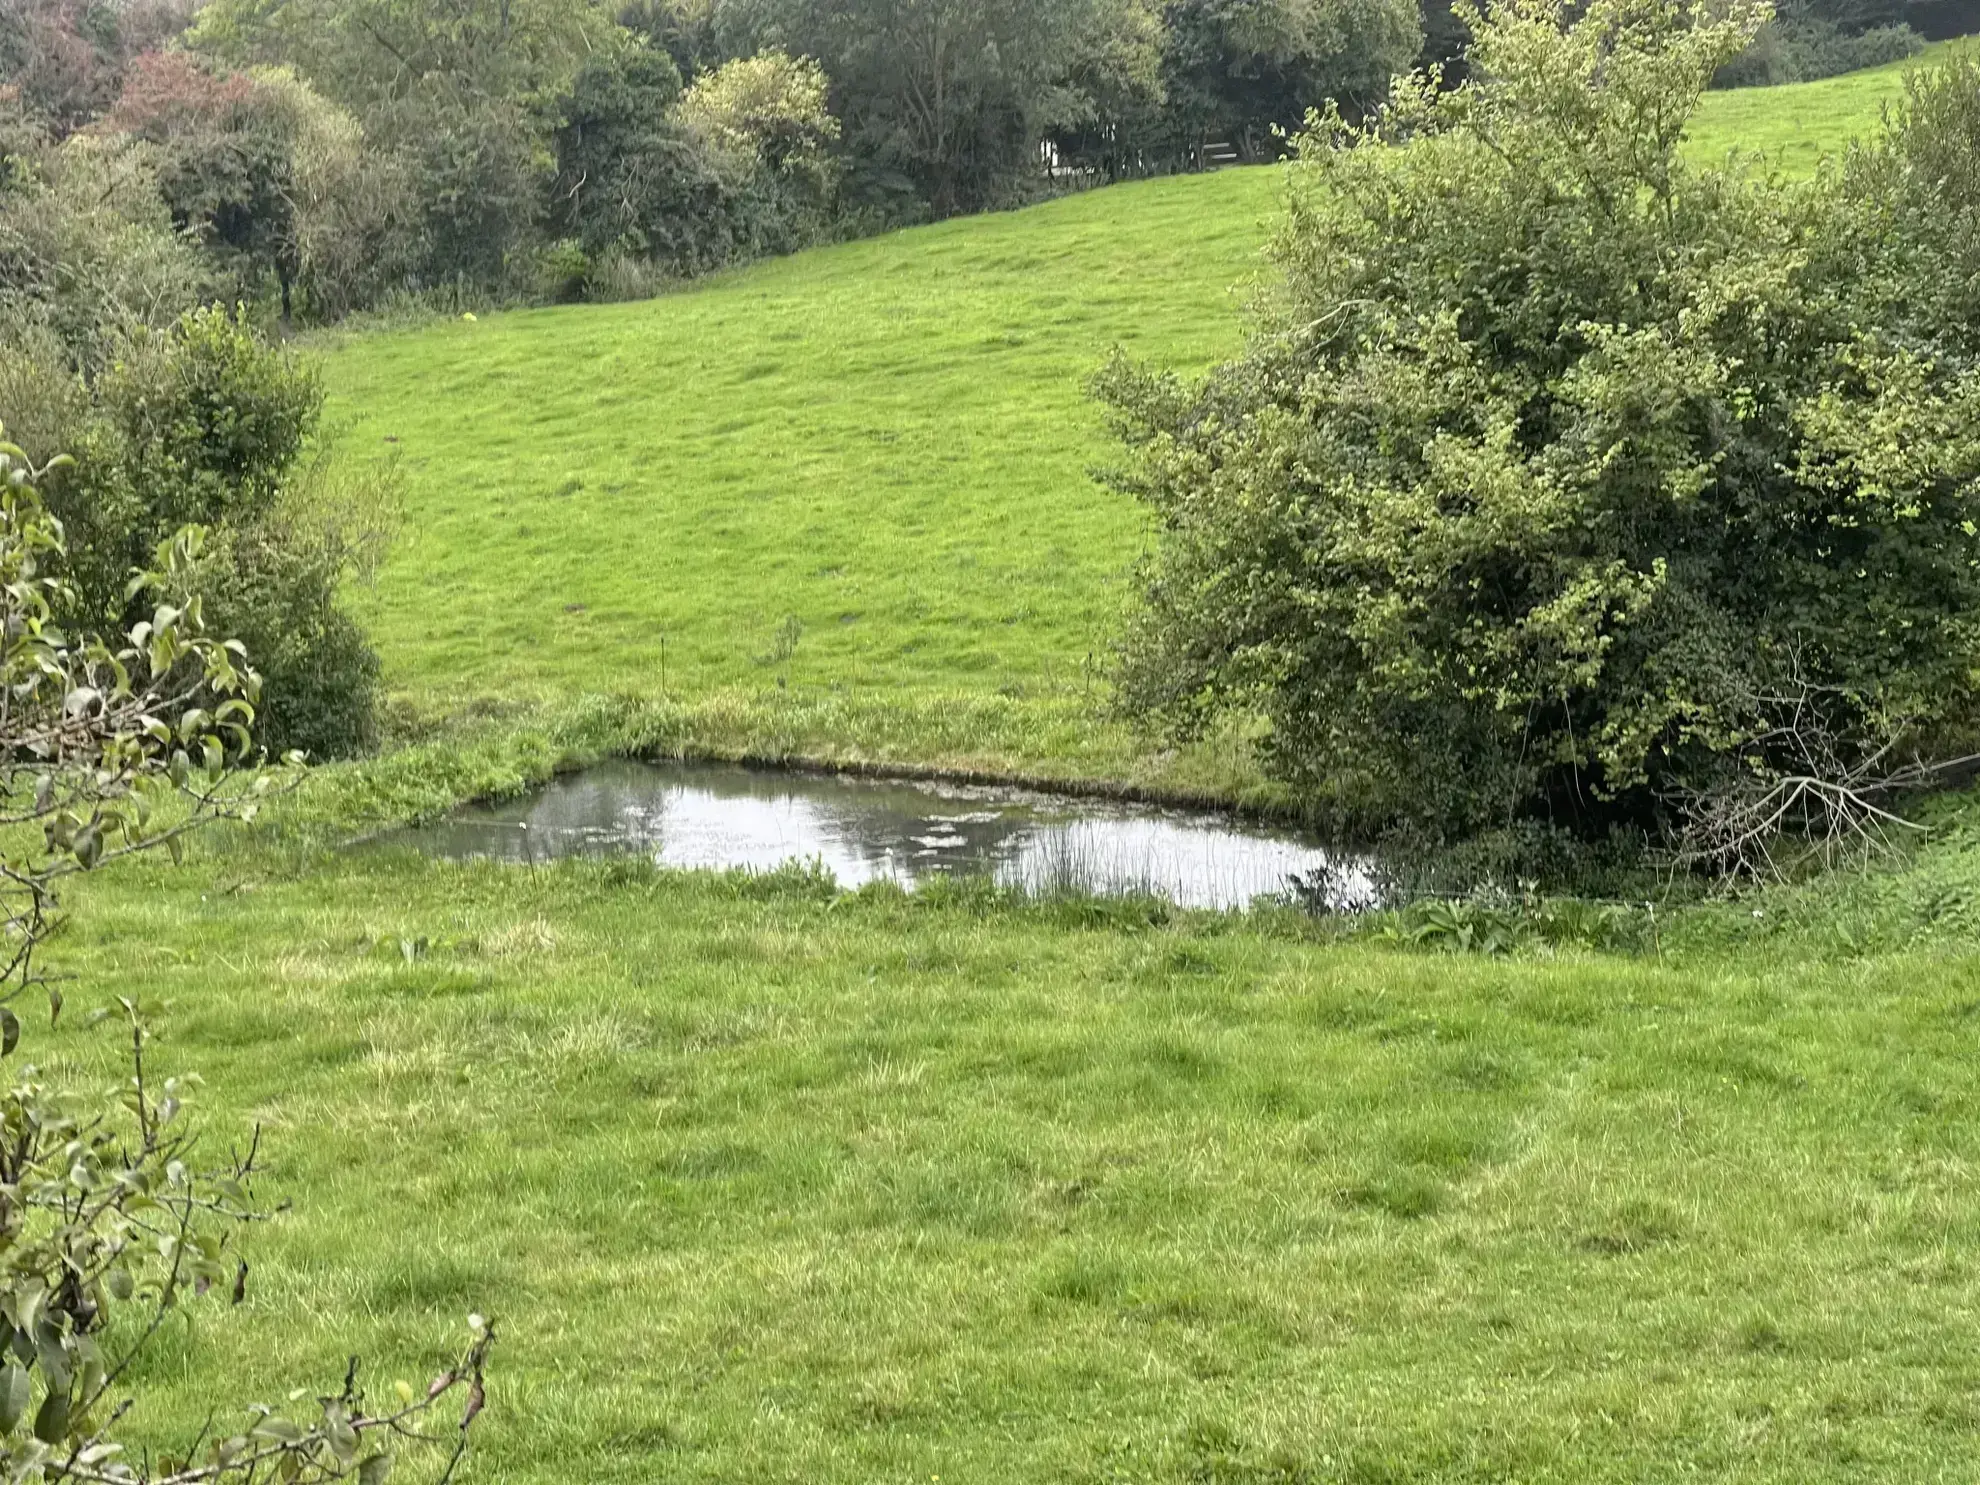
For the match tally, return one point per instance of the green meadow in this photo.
(857, 479)
(765, 1181)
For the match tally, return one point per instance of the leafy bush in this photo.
(274, 586)
(473, 173)
(271, 177)
(629, 177)
(1802, 49)
(1563, 479)
(205, 423)
(770, 134)
(87, 245)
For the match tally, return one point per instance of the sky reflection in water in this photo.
(865, 830)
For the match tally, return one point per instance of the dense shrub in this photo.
(1564, 479)
(271, 178)
(87, 245)
(204, 423)
(629, 176)
(1912, 239)
(1236, 69)
(765, 123)
(1795, 49)
(474, 171)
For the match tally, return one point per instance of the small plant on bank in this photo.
(109, 1222)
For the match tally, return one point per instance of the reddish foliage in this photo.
(167, 94)
(68, 59)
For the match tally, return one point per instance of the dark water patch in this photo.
(865, 830)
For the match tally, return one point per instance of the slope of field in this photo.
(1794, 128)
(855, 481)
(860, 470)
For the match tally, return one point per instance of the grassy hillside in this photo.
(848, 492)
(1796, 127)
(886, 442)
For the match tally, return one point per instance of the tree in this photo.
(109, 1225)
(364, 53)
(765, 121)
(1238, 69)
(631, 177)
(352, 223)
(64, 60)
(454, 99)
(204, 423)
(766, 112)
(947, 97)
(226, 167)
(88, 248)
(1566, 479)
(1114, 117)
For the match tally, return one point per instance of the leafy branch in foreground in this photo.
(106, 1222)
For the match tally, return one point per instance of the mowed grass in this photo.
(846, 497)
(765, 1184)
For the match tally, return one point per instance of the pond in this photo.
(866, 830)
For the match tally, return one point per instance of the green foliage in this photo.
(946, 99)
(475, 172)
(1489, 927)
(197, 423)
(1802, 50)
(1916, 191)
(225, 169)
(628, 175)
(1563, 478)
(1237, 69)
(275, 587)
(272, 178)
(364, 53)
(205, 423)
(764, 117)
(87, 246)
(108, 1227)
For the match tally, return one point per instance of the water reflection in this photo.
(865, 830)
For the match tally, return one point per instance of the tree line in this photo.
(320, 157)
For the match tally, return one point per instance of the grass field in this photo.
(764, 1184)
(843, 499)
(885, 443)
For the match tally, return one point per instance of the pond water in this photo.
(865, 830)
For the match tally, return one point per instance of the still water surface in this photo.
(867, 830)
